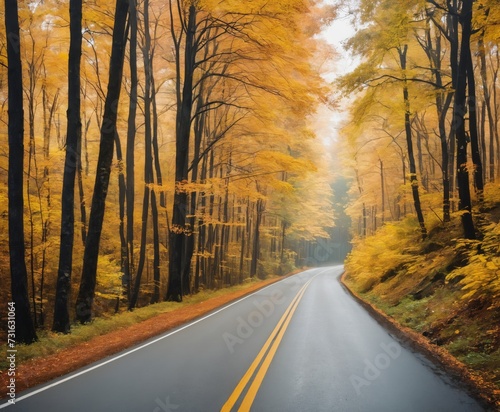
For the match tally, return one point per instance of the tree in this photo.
(129, 264)
(253, 91)
(182, 137)
(108, 133)
(402, 52)
(25, 331)
(458, 124)
(431, 43)
(73, 153)
(377, 44)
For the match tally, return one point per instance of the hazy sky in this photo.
(336, 34)
(330, 121)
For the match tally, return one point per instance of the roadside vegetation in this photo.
(445, 287)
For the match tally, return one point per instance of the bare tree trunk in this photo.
(453, 37)
(86, 292)
(473, 131)
(382, 189)
(411, 158)
(496, 116)
(433, 50)
(122, 196)
(259, 209)
(130, 154)
(458, 125)
(48, 116)
(176, 287)
(151, 124)
(25, 331)
(487, 105)
(482, 140)
(73, 150)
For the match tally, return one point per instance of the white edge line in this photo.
(58, 382)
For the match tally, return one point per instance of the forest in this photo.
(155, 149)
(423, 138)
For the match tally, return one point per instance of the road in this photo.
(302, 344)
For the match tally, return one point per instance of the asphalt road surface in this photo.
(302, 344)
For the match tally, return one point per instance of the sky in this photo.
(330, 121)
(336, 34)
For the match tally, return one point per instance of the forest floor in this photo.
(441, 294)
(55, 355)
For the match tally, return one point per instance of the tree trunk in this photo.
(453, 37)
(156, 249)
(242, 251)
(443, 103)
(473, 131)
(176, 288)
(122, 196)
(458, 124)
(496, 115)
(73, 141)
(130, 154)
(199, 127)
(86, 292)
(148, 192)
(411, 158)
(259, 208)
(151, 125)
(382, 189)
(142, 253)
(48, 116)
(482, 140)
(25, 331)
(443, 137)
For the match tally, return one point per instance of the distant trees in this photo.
(218, 74)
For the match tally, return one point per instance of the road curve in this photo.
(301, 344)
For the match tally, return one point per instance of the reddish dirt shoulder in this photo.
(41, 370)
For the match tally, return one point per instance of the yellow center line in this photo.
(276, 336)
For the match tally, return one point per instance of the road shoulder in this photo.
(40, 370)
(473, 383)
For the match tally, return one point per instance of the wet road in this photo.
(302, 344)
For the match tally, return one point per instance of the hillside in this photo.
(445, 288)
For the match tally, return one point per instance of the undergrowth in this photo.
(446, 287)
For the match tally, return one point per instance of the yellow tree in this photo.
(386, 54)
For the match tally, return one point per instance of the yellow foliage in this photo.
(480, 278)
(390, 247)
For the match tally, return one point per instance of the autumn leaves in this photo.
(194, 145)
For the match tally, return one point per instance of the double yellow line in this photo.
(261, 363)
